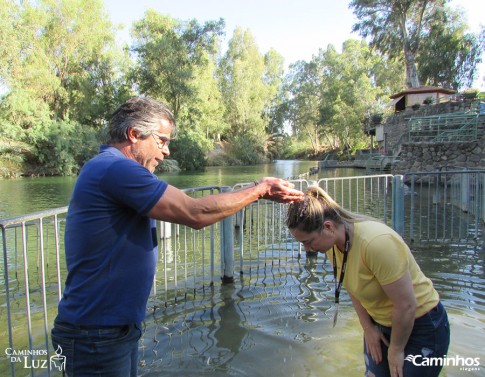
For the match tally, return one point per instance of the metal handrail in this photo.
(464, 127)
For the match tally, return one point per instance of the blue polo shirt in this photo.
(110, 243)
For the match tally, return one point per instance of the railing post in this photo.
(464, 192)
(7, 294)
(398, 204)
(227, 246)
(482, 198)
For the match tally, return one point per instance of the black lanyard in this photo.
(344, 264)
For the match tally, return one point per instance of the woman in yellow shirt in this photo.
(406, 329)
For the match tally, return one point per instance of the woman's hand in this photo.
(373, 338)
(395, 357)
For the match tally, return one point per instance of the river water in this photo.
(26, 195)
(277, 319)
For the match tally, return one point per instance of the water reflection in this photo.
(458, 274)
(231, 318)
(276, 320)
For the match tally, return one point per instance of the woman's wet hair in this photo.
(316, 208)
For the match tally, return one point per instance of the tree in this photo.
(9, 14)
(273, 78)
(449, 55)
(206, 110)
(397, 27)
(303, 85)
(349, 91)
(58, 60)
(245, 94)
(168, 51)
(61, 48)
(249, 83)
(203, 120)
(331, 97)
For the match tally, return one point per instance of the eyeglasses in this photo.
(161, 141)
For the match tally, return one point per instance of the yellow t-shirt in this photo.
(378, 256)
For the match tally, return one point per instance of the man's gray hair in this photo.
(143, 114)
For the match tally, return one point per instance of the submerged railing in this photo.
(423, 207)
(444, 206)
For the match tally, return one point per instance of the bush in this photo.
(470, 93)
(189, 149)
(12, 157)
(64, 150)
(291, 148)
(376, 119)
(247, 148)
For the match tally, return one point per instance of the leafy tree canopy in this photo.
(421, 32)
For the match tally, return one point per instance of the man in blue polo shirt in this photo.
(111, 240)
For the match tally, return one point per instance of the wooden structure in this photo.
(417, 96)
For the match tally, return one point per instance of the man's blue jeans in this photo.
(109, 351)
(430, 338)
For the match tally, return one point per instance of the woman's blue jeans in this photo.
(109, 351)
(430, 338)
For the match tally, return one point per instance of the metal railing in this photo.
(444, 128)
(444, 206)
(381, 163)
(423, 207)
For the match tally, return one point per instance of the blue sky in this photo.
(294, 28)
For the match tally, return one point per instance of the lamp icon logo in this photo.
(58, 361)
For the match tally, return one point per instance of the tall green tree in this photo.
(60, 51)
(349, 91)
(249, 82)
(273, 78)
(10, 22)
(245, 94)
(396, 27)
(331, 97)
(168, 52)
(202, 120)
(450, 55)
(303, 85)
(206, 111)
(58, 61)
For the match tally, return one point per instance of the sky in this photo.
(296, 29)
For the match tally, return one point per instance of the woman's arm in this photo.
(372, 335)
(401, 293)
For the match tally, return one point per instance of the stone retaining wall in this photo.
(419, 157)
(423, 156)
(396, 125)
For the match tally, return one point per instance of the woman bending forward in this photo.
(398, 308)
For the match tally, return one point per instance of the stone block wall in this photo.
(419, 157)
(396, 126)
